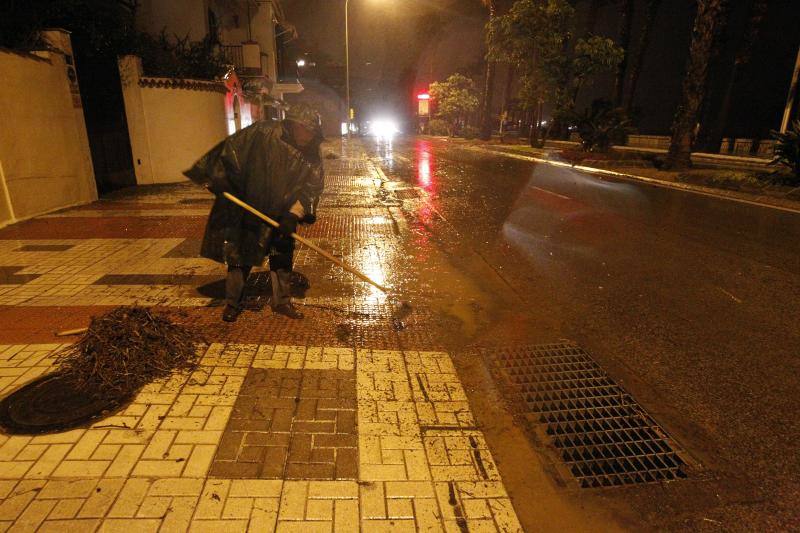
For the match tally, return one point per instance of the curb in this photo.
(696, 189)
(705, 158)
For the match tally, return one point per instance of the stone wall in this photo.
(171, 122)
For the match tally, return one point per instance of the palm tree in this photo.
(710, 16)
(488, 84)
(591, 16)
(593, 10)
(626, 21)
(507, 96)
(716, 126)
(637, 62)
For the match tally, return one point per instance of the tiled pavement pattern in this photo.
(319, 425)
(420, 463)
(291, 424)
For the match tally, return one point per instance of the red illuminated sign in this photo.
(423, 96)
(424, 109)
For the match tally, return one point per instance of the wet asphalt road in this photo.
(690, 302)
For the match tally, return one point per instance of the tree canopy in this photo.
(455, 99)
(537, 38)
(102, 30)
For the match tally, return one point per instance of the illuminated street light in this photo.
(347, 61)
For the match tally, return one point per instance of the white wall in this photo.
(182, 125)
(45, 162)
(170, 128)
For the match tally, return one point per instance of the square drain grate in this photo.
(603, 436)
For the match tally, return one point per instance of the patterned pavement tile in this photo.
(153, 463)
(92, 227)
(314, 425)
(291, 424)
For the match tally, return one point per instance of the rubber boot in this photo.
(281, 294)
(234, 292)
(230, 313)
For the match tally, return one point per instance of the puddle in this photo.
(343, 332)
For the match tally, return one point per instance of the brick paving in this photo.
(291, 424)
(348, 420)
(105, 227)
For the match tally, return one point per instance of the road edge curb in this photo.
(696, 189)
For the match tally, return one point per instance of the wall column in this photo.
(130, 71)
(60, 40)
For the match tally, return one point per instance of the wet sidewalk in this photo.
(350, 419)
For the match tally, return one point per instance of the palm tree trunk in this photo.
(507, 98)
(710, 15)
(488, 96)
(641, 50)
(509, 87)
(758, 10)
(591, 16)
(626, 20)
(536, 119)
(488, 87)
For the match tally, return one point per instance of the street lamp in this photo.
(787, 114)
(347, 60)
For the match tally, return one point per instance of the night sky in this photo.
(399, 46)
(392, 41)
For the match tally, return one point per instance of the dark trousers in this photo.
(234, 284)
(280, 261)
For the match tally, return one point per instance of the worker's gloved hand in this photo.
(219, 185)
(288, 224)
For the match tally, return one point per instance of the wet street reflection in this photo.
(424, 165)
(694, 296)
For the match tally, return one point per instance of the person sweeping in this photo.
(276, 167)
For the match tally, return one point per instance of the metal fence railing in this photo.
(233, 54)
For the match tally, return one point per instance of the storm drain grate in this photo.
(406, 194)
(603, 436)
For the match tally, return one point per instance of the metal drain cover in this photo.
(50, 404)
(406, 193)
(603, 436)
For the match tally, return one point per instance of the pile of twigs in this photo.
(125, 349)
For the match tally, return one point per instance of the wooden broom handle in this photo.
(306, 242)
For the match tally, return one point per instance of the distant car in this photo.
(382, 128)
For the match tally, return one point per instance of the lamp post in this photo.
(787, 113)
(347, 60)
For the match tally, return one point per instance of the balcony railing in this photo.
(233, 54)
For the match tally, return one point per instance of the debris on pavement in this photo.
(125, 349)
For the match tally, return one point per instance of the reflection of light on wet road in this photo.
(424, 171)
(373, 262)
(385, 151)
(424, 165)
(424, 168)
(366, 182)
(549, 192)
(545, 224)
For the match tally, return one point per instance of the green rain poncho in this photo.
(259, 166)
